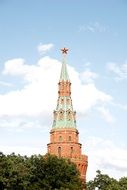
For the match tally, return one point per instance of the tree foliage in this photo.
(38, 173)
(104, 182)
(49, 173)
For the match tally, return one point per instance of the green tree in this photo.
(38, 173)
(13, 172)
(103, 182)
(123, 183)
(50, 172)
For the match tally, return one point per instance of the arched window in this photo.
(61, 114)
(60, 138)
(59, 152)
(71, 152)
(62, 101)
(69, 114)
(68, 101)
(69, 138)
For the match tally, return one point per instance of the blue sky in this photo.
(31, 35)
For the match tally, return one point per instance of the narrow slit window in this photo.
(71, 152)
(59, 152)
(69, 138)
(60, 138)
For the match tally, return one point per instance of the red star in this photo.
(64, 50)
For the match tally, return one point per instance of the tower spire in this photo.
(64, 116)
(64, 74)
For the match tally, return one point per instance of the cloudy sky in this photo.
(31, 35)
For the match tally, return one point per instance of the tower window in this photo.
(69, 114)
(71, 152)
(60, 138)
(69, 138)
(59, 152)
(62, 101)
(68, 101)
(61, 114)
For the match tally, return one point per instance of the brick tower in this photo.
(64, 136)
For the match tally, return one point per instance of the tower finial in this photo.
(64, 50)
(64, 74)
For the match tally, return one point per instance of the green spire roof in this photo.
(64, 115)
(64, 74)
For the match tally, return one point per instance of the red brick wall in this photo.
(64, 143)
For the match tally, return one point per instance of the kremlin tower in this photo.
(64, 136)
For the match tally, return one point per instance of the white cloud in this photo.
(15, 67)
(23, 150)
(106, 156)
(32, 73)
(43, 48)
(40, 93)
(106, 114)
(93, 27)
(7, 84)
(18, 67)
(88, 97)
(88, 76)
(120, 71)
(15, 122)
